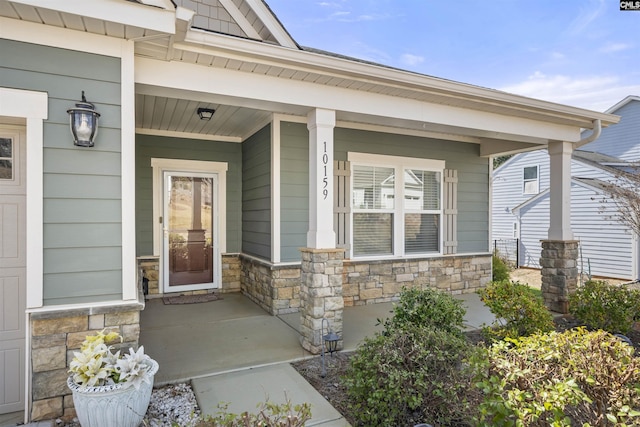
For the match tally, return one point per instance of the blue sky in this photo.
(584, 53)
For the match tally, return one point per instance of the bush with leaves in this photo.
(427, 308)
(517, 309)
(559, 379)
(410, 375)
(499, 269)
(601, 306)
(269, 415)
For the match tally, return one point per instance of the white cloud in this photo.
(591, 92)
(587, 14)
(411, 60)
(615, 47)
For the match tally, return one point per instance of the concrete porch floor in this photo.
(194, 340)
(235, 352)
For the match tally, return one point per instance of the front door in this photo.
(191, 251)
(12, 269)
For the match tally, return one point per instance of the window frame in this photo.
(400, 166)
(525, 181)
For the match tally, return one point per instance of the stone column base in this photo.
(320, 296)
(559, 273)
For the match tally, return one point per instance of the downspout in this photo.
(597, 129)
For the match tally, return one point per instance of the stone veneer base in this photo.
(55, 335)
(559, 262)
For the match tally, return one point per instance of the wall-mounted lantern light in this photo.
(83, 120)
(205, 113)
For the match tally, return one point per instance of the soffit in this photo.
(71, 17)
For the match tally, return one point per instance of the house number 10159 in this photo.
(325, 178)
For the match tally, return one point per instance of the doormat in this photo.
(190, 299)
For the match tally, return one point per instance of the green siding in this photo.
(473, 180)
(148, 147)
(294, 189)
(82, 208)
(256, 194)
(473, 175)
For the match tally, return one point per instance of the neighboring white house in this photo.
(520, 200)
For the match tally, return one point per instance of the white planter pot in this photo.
(114, 405)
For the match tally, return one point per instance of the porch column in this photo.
(321, 271)
(320, 296)
(320, 124)
(560, 252)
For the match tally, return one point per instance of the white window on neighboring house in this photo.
(515, 230)
(530, 180)
(396, 205)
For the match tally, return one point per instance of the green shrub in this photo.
(601, 306)
(409, 375)
(518, 311)
(427, 308)
(268, 415)
(559, 379)
(499, 269)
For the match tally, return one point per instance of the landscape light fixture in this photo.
(83, 121)
(205, 113)
(330, 341)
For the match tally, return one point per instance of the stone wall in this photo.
(55, 335)
(149, 269)
(371, 282)
(275, 288)
(559, 273)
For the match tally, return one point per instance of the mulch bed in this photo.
(331, 388)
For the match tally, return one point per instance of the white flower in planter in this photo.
(133, 367)
(96, 364)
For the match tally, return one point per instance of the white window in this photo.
(516, 233)
(530, 180)
(396, 205)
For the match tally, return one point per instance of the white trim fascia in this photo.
(408, 132)
(243, 50)
(128, 172)
(271, 92)
(63, 38)
(83, 306)
(188, 135)
(240, 19)
(379, 159)
(516, 210)
(343, 124)
(622, 103)
(121, 12)
(276, 237)
(271, 22)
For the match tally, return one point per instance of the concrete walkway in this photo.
(236, 353)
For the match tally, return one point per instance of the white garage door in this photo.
(12, 269)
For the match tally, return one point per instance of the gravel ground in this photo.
(171, 405)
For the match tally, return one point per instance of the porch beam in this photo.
(299, 97)
(320, 124)
(560, 190)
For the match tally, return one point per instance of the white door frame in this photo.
(216, 263)
(160, 166)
